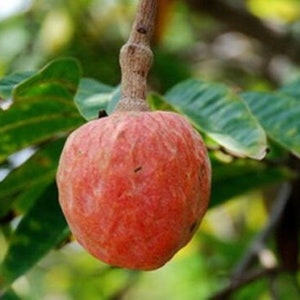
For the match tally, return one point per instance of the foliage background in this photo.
(247, 45)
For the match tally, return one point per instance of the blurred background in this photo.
(247, 44)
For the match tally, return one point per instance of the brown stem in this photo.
(260, 240)
(238, 18)
(136, 59)
(249, 277)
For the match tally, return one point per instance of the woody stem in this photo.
(136, 59)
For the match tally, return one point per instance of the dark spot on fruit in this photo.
(193, 226)
(137, 169)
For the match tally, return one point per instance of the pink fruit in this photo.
(134, 187)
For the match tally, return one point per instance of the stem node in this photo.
(136, 59)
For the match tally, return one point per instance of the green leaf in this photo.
(42, 107)
(292, 89)
(114, 100)
(222, 115)
(240, 176)
(157, 102)
(91, 97)
(279, 114)
(10, 295)
(41, 229)
(25, 199)
(61, 75)
(8, 83)
(25, 183)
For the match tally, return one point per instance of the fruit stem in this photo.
(136, 59)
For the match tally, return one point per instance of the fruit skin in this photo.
(134, 187)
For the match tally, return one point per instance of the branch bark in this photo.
(241, 274)
(288, 228)
(238, 18)
(136, 59)
(260, 240)
(247, 278)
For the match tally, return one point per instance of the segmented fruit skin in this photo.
(134, 187)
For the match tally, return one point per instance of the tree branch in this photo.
(136, 59)
(288, 228)
(241, 274)
(239, 19)
(246, 279)
(260, 240)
